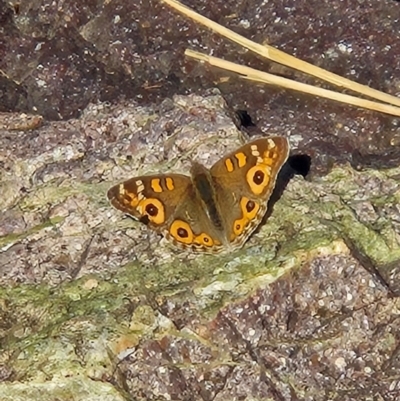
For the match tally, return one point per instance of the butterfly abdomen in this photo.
(203, 185)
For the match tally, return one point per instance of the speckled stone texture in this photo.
(96, 307)
(58, 57)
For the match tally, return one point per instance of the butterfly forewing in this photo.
(153, 199)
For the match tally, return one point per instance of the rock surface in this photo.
(95, 306)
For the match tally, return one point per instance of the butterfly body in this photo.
(212, 210)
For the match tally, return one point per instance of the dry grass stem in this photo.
(281, 57)
(264, 77)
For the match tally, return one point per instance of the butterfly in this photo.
(212, 210)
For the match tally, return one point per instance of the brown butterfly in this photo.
(212, 210)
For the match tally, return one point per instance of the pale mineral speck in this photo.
(340, 363)
(244, 23)
(41, 83)
(345, 47)
(90, 284)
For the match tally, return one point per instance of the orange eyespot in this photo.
(181, 231)
(239, 225)
(204, 239)
(249, 208)
(153, 209)
(258, 178)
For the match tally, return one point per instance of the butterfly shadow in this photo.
(295, 165)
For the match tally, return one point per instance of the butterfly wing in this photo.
(170, 205)
(152, 199)
(244, 181)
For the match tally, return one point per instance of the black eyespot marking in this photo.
(206, 240)
(151, 210)
(182, 233)
(250, 205)
(238, 226)
(258, 177)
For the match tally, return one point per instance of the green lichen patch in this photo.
(61, 388)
